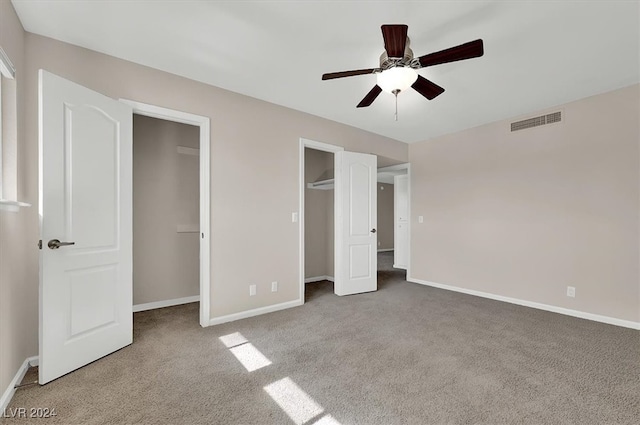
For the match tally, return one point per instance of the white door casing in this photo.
(85, 307)
(356, 261)
(203, 123)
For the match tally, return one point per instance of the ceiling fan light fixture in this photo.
(398, 78)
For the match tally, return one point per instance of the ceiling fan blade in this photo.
(370, 97)
(472, 49)
(395, 39)
(428, 89)
(332, 75)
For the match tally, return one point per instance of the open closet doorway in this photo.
(171, 209)
(386, 241)
(393, 217)
(165, 213)
(319, 211)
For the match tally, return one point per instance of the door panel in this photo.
(86, 198)
(92, 200)
(360, 261)
(359, 200)
(356, 238)
(85, 285)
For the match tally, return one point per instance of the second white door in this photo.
(356, 261)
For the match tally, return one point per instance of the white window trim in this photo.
(6, 67)
(7, 70)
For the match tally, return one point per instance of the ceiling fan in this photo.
(397, 70)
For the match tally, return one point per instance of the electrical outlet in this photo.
(379, 243)
(571, 291)
(274, 286)
(252, 290)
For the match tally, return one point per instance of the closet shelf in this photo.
(188, 228)
(385, 175)
(322, 184)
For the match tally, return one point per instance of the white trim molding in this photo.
(319, 279)
(7, 70)
(546, 307)
(385, 250)
(6, 67)
(166, 303)
(17, 379)
(205, 192)
(254, 312)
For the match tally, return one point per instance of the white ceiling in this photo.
(537, 54)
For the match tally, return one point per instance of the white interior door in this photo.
(356, 261)
(86, 202)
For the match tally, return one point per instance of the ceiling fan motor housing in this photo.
(406, 61)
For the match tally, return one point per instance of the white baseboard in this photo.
(254, 312)
(319, 278)
(385, 250)
(167, 303)
(11, 389)
(532, 304)
(395, 266)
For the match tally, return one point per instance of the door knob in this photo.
(55, 244)
(373, 230)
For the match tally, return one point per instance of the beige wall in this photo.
(18, 231)
(318, 208)
(165, 195)
(385, 216)
(254, 165)
(526, 214)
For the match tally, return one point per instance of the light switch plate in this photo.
(294, 217)
(420, 219)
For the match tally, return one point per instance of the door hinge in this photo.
(40, 244)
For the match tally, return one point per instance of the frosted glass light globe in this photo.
(398, 78)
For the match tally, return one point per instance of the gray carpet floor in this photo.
(406, 354)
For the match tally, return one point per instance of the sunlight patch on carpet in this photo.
(293, 400)
(233, 339)
(250, 357)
